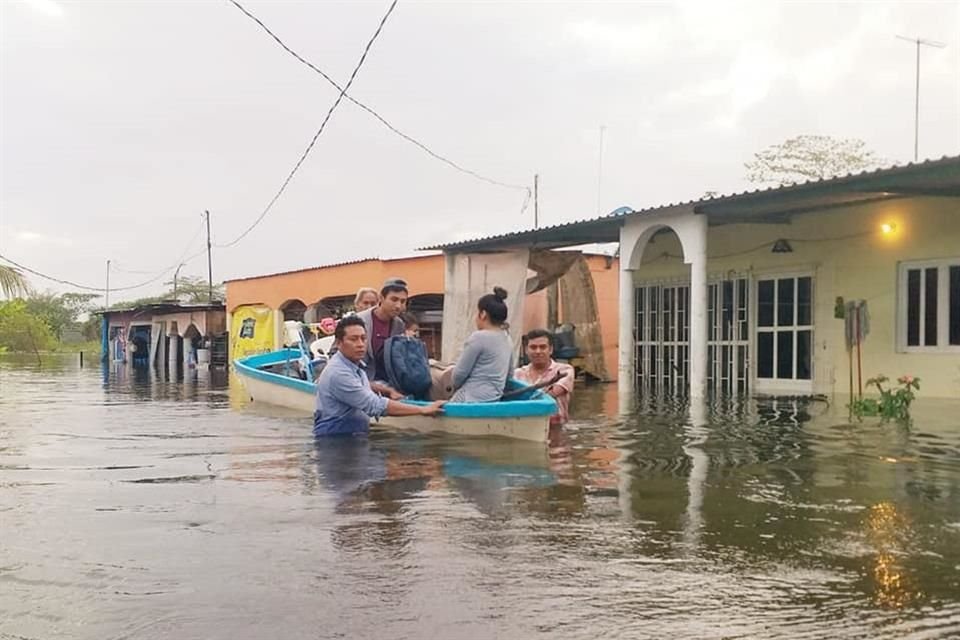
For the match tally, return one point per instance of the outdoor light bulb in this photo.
(888, 228)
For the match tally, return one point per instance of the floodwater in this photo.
(132, 507)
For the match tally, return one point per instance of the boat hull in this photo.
(278, 395)
(527, 419)
(533, 428)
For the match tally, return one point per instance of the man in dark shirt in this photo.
(382, 322)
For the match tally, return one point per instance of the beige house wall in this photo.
(846, 252)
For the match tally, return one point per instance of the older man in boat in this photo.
(543, 368)
(345, 400)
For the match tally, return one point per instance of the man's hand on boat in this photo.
(386, 390)
(395, 408)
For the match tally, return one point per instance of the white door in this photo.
(784, 334)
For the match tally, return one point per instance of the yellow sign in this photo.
(251, 331)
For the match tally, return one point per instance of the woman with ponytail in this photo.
(481, 372)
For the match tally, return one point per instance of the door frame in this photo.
(778, 385)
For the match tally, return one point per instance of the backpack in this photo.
(408, 369)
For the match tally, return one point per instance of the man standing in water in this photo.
(542, 368)
(382, 322)
(345, 401)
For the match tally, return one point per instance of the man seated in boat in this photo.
(543, 368)
(381, 322)
(345, 400)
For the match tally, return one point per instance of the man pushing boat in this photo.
(345, 401)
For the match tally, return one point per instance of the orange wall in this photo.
(607, 283)
(423, 275)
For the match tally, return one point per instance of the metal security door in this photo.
(662, 338)
(728, 336)
(662, 357)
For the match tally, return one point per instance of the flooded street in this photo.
(131, 507)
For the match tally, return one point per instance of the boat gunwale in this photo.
(539, 404)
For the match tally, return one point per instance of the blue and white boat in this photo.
(272, 378)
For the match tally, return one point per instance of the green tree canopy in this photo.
(21, 330)
(59, 311)
(193, 289)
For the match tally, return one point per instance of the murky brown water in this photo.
(137, 508)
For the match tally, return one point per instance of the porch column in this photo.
(130, 348)
(626, 376)
(158, 345)
(187, 349)
(278, 333)
(698, 308)
(172, 352)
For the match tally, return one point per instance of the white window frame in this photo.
(943, 305)
(782, 385)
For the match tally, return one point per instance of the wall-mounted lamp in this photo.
(888, 228)
(782, 246)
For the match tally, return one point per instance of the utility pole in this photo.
(106, 302)
(209, 262)
(536, 201)
(916, 109)
(175, 274)
(600, 170)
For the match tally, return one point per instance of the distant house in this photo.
(170, 335)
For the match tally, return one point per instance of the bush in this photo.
(21, 330)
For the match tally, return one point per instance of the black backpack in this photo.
(407, 365)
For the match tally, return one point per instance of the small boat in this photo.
(273, 378)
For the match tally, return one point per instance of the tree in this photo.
(20, 330)
(59, 312)
(13, 284)
(193, 289)
(810, 158)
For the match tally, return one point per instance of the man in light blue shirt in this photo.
(345, 401)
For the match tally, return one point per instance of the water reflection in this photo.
(149, 507)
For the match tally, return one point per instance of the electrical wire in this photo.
(114, 266)
(82, 286)
(306, 152)
(423, 147)
(139, 285)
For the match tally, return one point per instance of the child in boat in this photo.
(411, 326)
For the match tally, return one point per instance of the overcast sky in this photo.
(122, 121)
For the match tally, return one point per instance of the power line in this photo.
(323, 125)
(121, 269)
(423, 147)
(81, 286)
(70, 283)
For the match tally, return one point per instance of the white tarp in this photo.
(471, 275)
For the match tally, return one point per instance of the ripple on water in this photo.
(145, 508)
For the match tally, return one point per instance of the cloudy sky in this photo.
(120, 122)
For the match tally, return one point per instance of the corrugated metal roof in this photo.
(603, 223)
(331, 265)
(171, 306)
